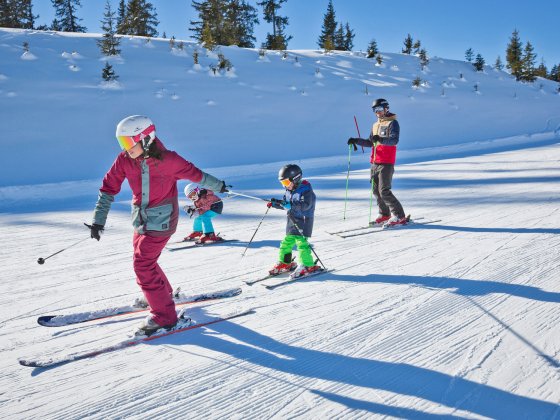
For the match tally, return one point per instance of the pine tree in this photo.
(416, 47)
(423, 55)
(469, 54)
(278, 39)
(121, 16)
(329, 45)
(372, 49)
(542, 71)
(140, 19)
(339, 38)
(241, 19)
(408, 42)
(554, 73)
(17, 14)
(379, 59)
(348, 38)
(528, 64)
(109, 44)
(108, 73)
(498, 65)
(479, 63)
(207, 40)
(514, 55)
(66, 19)
(329, 27)
(228, 22)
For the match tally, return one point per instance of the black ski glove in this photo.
(277, 204)
(375, 138)
(352, 141)
(191, 210)
(95, 230)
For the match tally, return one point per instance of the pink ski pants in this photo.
(151, 278)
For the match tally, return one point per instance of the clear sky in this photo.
(446, 28)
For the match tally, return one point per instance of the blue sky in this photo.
(446, 28)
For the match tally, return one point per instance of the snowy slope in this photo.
(265, 110)
(458, 318)
(455, 319)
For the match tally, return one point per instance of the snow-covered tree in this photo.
(108, 74)
(66, 19)
(109, 44)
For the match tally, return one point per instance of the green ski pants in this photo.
(303, 247)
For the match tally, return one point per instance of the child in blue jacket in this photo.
(299, 200)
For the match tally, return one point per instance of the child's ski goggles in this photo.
(285, 182)
(128, 142)
(378, 109)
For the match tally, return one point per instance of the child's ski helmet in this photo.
(290, 172)
(134, 129)
(190, 189)
(380, 102)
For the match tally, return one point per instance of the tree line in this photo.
(232, 22)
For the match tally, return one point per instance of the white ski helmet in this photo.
(134, 129)
(190, 189)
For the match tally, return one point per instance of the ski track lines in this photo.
(477, 304)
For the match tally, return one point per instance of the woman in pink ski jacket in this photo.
(152, 172)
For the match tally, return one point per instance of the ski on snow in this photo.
(364, 230)
(57, 360)
(176, 246)
(179, 298)
(291, 279)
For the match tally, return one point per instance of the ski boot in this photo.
(209, 238)
(281, 267)
(303, 271)
(396, 221)
(192, 236)
(380, 220)
(149, 327)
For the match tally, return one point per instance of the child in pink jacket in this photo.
(206, 205)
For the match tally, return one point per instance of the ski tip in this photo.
(45, 320)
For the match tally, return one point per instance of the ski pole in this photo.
(42, 260)
(347, 178)
(247, 196)
(359, 135)
(301, 233)
(252, 237)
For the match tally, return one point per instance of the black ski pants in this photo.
(381, 180)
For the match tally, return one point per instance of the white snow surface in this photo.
(454, 319)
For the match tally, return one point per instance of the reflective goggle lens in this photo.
(285, 182)
(378, 109)
(126, 142)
